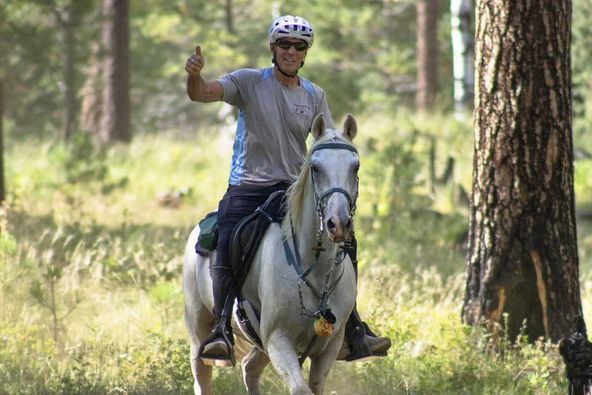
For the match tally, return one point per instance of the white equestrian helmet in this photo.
(293, 27)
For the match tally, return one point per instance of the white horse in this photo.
(290, 294)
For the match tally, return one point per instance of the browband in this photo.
(333, 146)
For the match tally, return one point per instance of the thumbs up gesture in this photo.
(195, 63)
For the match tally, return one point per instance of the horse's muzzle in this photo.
(339, 226)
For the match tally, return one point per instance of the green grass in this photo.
(90, 272)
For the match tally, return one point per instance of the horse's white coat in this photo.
(272, 284)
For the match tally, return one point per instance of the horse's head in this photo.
(334, 165)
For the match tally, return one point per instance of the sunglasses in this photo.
(298, 46)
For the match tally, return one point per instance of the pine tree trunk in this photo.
(70, 101)
(523, 258)
(228, 14)
(427, 54)
(115, 117)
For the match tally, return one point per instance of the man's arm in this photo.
(204, 92)
(197, 88)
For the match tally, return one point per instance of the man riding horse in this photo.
(276, 111)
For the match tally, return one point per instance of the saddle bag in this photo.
(208, 232)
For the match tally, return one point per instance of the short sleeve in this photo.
(232, 88)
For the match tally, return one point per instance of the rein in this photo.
(295, 261)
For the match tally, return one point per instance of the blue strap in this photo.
(290, 258)
(297, 264)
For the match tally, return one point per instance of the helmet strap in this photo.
(274, 61)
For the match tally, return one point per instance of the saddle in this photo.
(246, 236)
(249, 232)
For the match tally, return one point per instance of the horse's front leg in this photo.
(321, 365)
(253, 365)
(284, 359)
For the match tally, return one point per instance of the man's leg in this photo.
(218, 348)
(237, 203)
(360, 340)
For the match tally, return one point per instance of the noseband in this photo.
(320, 200)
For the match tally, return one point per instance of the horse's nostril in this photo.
(348, 224)
(330, 224)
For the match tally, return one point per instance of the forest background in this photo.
(92, 234)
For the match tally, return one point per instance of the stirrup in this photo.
(217, 350)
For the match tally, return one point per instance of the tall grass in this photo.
(91, 257)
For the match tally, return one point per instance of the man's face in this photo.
(290, 53)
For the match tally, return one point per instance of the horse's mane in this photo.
(295, 195)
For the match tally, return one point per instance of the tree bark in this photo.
(523, 258)
(427, 54)
(115, 117)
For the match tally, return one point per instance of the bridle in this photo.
(321, 199)
(294, 260)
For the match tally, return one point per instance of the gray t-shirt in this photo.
(273, 124)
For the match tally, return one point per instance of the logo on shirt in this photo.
(303, 111)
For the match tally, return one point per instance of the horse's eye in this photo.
(356, 167)
(314, 168)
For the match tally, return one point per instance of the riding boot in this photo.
(218, 348)
(361, 342)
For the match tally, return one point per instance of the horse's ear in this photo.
(318, 126)
(350, 127)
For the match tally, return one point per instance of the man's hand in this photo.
(198, 89)
(195, 63)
